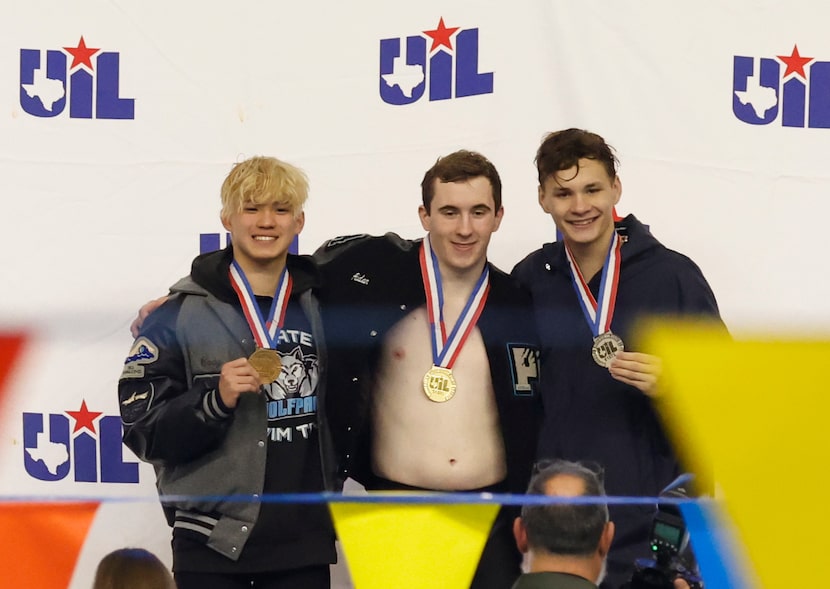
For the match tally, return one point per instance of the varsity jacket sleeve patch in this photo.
(165, 420)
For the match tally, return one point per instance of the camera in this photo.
(671, 554)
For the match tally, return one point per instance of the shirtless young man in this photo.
(390, 419)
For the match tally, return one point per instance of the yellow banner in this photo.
(750, 418)
(412, 546)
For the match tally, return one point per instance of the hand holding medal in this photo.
(235, 378)
(639, 370)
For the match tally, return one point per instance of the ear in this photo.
(520, 533)
(617, 186)
(425, 218)
(542, 199)
(226, 222)
(300, 221)
(605, 539)
(499, 215)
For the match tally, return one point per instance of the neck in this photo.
(263, 278)
(460, 281)
(585, 567)
(590, 257)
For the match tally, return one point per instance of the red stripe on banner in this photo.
(41, 542)
(11, 346)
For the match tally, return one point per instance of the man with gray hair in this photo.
(565, 544)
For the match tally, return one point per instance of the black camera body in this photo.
(671, 554)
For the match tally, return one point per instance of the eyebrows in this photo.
(476, 208)
(573, 186)
(277, 204)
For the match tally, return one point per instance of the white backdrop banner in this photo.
(122, 118)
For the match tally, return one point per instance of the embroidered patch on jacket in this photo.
(524, 362)
(143, 352)
(134, 399)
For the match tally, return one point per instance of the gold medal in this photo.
(267, 364)
(605, 347)
(439, 384)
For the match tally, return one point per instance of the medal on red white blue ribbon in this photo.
(265, 359)
(600, 313)
(439, 383)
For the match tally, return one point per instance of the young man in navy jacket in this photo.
(589, 290)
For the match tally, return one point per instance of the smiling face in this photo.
(262, 208)
(262, 233)
(461, 218)
(581, 201)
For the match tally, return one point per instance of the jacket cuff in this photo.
(213, 406)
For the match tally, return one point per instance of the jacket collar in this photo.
(638, 240)
(210, 271)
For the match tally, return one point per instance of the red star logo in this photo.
(441, 35)
(81, 54)
(84, 418)
(795, 63)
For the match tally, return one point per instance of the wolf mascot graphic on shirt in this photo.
(298, 376)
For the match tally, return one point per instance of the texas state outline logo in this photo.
(447, 69)
(797, 95)
(89, 448)
(88, 84)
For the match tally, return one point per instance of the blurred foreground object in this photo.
(743, 414)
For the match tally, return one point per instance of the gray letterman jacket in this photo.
(174, 418)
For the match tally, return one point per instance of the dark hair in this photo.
(562, 150)
(457, 167)
(566, 528)
(132, 568)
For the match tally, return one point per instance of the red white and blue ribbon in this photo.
(599, 314)
(445, 349)
(265, 329)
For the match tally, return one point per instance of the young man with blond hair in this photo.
(221, 392)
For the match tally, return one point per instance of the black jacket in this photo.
(590, 416)
(371, 283)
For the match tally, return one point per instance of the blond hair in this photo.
(264, 180)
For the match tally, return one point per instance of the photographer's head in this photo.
(565, 537)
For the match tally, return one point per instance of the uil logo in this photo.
(798, 97)
(52, 450)
(449, 69)
(89, 84)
